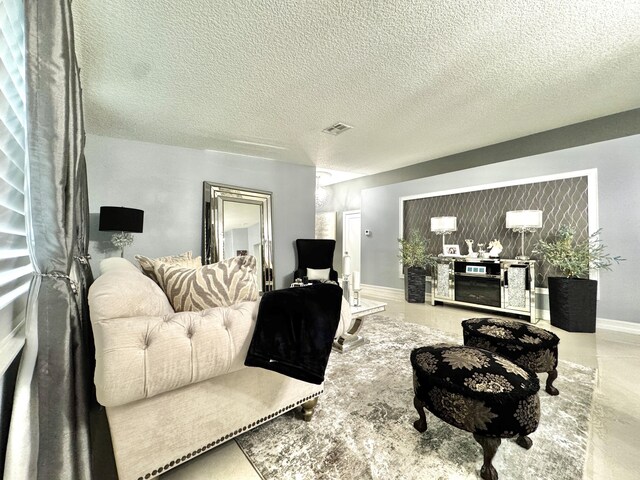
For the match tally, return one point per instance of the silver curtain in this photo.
(49, 434)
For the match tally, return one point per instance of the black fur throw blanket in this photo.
(294, 331)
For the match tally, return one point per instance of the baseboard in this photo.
(541, 314)
(617, 326)
(601, 323)
(378, 291)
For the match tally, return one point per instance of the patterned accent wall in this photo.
(481, 216)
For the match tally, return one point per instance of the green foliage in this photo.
(413, 251)
(572, 258)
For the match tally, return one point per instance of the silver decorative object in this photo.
(442, 282)
(517, 297)
(345, 288)
(356, 298)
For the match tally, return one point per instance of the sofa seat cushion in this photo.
(142, 356)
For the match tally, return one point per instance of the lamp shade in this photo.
(444, 224)
(524, 219)
(121, 219)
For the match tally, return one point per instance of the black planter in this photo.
(415, 280)
(572, 303)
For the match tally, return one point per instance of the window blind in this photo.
(15, 265)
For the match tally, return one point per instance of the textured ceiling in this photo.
(416, 79)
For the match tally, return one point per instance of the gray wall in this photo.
(618, 195)
(618, 203)
(166, 182)
(346, 195)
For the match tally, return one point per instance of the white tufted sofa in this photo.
(174, 384)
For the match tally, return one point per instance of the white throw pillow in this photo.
(318, 274)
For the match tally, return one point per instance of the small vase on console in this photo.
(495, 248)
(470, 253)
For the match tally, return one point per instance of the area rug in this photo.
(363, 424)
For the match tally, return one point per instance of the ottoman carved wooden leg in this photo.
(477, 391)
(308, 408)
(489, 448)
(550, 389)
(524, 441)
(421, 423)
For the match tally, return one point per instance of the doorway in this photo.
(351, 237)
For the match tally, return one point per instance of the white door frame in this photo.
(345, 217)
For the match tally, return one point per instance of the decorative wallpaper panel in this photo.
(481, 216)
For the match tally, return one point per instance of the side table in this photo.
(351, 339)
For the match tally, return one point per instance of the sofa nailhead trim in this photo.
(227, 436)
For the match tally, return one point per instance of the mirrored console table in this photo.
(503, 285)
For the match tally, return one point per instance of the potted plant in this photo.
(572, 297)
(414, 258)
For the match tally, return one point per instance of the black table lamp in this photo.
(122, 220)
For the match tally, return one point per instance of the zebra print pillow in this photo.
(184, 260)
(220, 284)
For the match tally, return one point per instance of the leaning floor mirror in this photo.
(237, 221)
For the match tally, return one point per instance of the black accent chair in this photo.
(316, 254)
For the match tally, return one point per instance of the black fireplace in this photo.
(476, 289)
(482, 287)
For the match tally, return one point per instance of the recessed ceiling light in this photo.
(337, 128)
(246, 142)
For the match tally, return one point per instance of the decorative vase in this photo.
(415, 279)
(573, 303)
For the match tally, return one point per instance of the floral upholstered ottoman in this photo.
(526, 345)
(477, 391)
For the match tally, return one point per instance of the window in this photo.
(15, 265)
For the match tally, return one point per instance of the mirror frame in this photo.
(214, 194)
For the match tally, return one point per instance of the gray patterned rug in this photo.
(363, 425)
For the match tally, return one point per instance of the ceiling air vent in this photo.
(337, 128)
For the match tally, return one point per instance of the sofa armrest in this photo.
(139, 357)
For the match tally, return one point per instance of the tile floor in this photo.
(614, 446)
